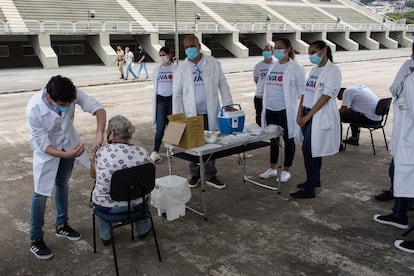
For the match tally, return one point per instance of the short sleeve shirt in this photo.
(259, 72)
(275, 99)
(310, 86)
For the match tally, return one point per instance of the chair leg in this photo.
(132, 231)
(408, 231)
(385, 138)
(155, 238)
(113, 249)
(94, 235)
(372, 141)
(346, 136)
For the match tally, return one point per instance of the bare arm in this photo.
(73, 153)
(100, 128)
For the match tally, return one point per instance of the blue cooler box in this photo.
(231, 121)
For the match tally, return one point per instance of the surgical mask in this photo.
(191, 53)
(62, 108)
(165, 59)
(266, 54)
(280, 54)
(315, 59)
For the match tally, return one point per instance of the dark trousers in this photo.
(279, 118)
(401, 204)
(353, 118)
(163, 108)
(313, 165)
(258, 106)
(210, 166)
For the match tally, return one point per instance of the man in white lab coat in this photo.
(197, 82)
(56, 144)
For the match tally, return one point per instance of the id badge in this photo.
(402, 104)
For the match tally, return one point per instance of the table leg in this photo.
(203, 187)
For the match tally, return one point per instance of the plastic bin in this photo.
(170, 195)
(231, 121)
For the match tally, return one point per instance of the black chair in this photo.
(126, 185)
(382, 109)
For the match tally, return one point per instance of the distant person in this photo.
(129, 60)
(162, 97)
(402, 165)
(119, 61)
(196, 86)
(259, 77)
(118, 154)
(142, 61)
(56, 144)
(283, 86)
(318, 116)
(358, 107)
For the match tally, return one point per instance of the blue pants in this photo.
(143, 65)
(163, 108)
(129, 69)
(38, 205)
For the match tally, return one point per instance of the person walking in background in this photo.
(141, 59)
(318, 116)
(197, 82)
(259, 77)
(56, 144)
(162, 97)
(129, 59)
(283, 86)
(119, 61)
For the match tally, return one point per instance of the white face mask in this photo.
(165, 59)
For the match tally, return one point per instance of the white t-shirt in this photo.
(164, 80)
(275, 100)
(309, 91)
(361, 99)
(129, 57)
(200, 87)
(259, 73)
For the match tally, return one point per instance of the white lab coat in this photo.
(326, 129)
(184, 100)
(154, 96)
(402, 142)
(293, 85)
(401, 75)
(48, 128)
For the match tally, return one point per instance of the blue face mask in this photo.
(266, 54)
(279, 54)
(315, 59)
(191, 53)
(62, 108)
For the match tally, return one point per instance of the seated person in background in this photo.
(358, 107)
(117, 154)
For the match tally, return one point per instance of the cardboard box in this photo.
(185, 132)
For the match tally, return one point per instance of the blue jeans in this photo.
(129, 69)
(143, 65)
(163, 108)
(38, 207)
(312, 164)
(141, 226)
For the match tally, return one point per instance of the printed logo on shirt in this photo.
(263, 73)
(198, 77)
(165, 76)
(274, 78)
(311, 83)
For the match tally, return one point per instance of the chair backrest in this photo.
(132, 183)
(382, 109)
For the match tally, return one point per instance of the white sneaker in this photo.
(155, 157)
(268, 173)
(284, 176)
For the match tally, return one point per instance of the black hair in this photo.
(61, 89)
(287, 44)
(168, 51)
(320, 44)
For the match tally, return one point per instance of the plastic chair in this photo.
(382, 109)
(127, 185)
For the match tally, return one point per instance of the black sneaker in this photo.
(40, 250)
(302, 194)
(216, 183)
(407, 246)
(194, 181)
(391, 220)
(351, 141)
(302, 185)
(67, 232)
(106, 242)
(384, 196)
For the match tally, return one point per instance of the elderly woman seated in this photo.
(118, 154)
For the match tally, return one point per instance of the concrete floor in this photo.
(250, 230)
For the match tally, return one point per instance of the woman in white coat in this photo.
(318, 116)
(283, 86)
(162, 98)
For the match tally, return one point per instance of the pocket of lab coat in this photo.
(406, 152)
(325, 122)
